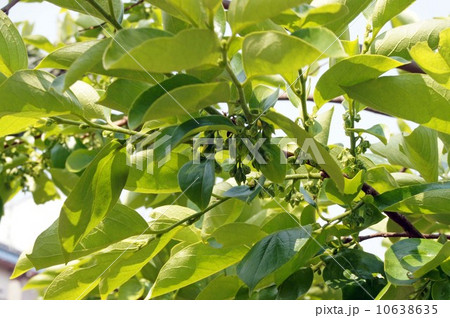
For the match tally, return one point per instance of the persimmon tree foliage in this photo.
(167, 107)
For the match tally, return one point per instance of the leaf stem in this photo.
(351, 111)
(110, 18)
(392, 234)
(240, 88)
(304, 176)
(303, 98)
(190, 219)
(60, 120)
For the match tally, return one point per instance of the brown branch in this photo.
(9, 6)
(398, 218)
(392, 234)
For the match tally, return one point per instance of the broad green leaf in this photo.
(379, 130)
(296, 285)
(244, 13)
(421, 147)
(441, 257)
(355, 7)
(147, 98)
(27, 93)
(125, 268)
(186, 50)
(187, 100)
(271, 253)
(430, 198)
(393, 151)
(279, 221)
(80, 159)
(321, 15)
(122, 93)
(441, 290)
(40, 42)
(398, 41)
(87, 58)
(238, 234)
(85, 7)
(13, 53)
(173, 136)
(131, 290)
(444, 45)
(351, 71)
(321, 127)
(93, 197)
(394, 292)
(43, 189)
(196, 180)
(314, 149)
(276, 166)
(385, 10)
(398, 101)
(407, 256)
(222, 214)
(14, 124)
(64, 179)
(244, 192)
(87, 97)
(121, 223)
(191, 11)
(323, 40)
(272, 53)
(356, 272)
(192, 264)
(220, 288)
(380, 179)
(76, 281)
(22, 266)
(351, 190)
(41, 281)
(147, 176)
(433, 63)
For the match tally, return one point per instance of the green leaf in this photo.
(15, 124)
(244, 192)
(271, 253)
(28, 93)
(147, 98)
(191, 11)
(323, 40)
(378, 130)
(398, 101)
(86, 57)
(385, 10)
(121, 223)
(125, 268)
(186, 50)
(76, 281)
(276, 166)
(175, 135)
(94, 196)
(197, 180)
(321, 127)
(322, 15)
(296, 285)
(355, 271)
(220, 288)
(85, 7)
(398, 41)
(441, 290)
(122, 94)
(271, 53)
(355, 7)
(23, 264)
(13, 53)
(433, 63)
(421, 147)
(351, 71)
(131, 290)
(244, 13)
(192, 264)
(238, 234)
(441, 257)
(407, 256)
(40, 42)
(80, 159)
(431, 198)
(318, 152)
(185, 100)
(147, 177)
(43, 190)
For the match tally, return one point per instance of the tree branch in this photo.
(8, 7)
(392, 234)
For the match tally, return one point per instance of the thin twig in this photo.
(9, 6)
(392, 234)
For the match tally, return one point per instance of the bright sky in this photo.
(24, 221)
